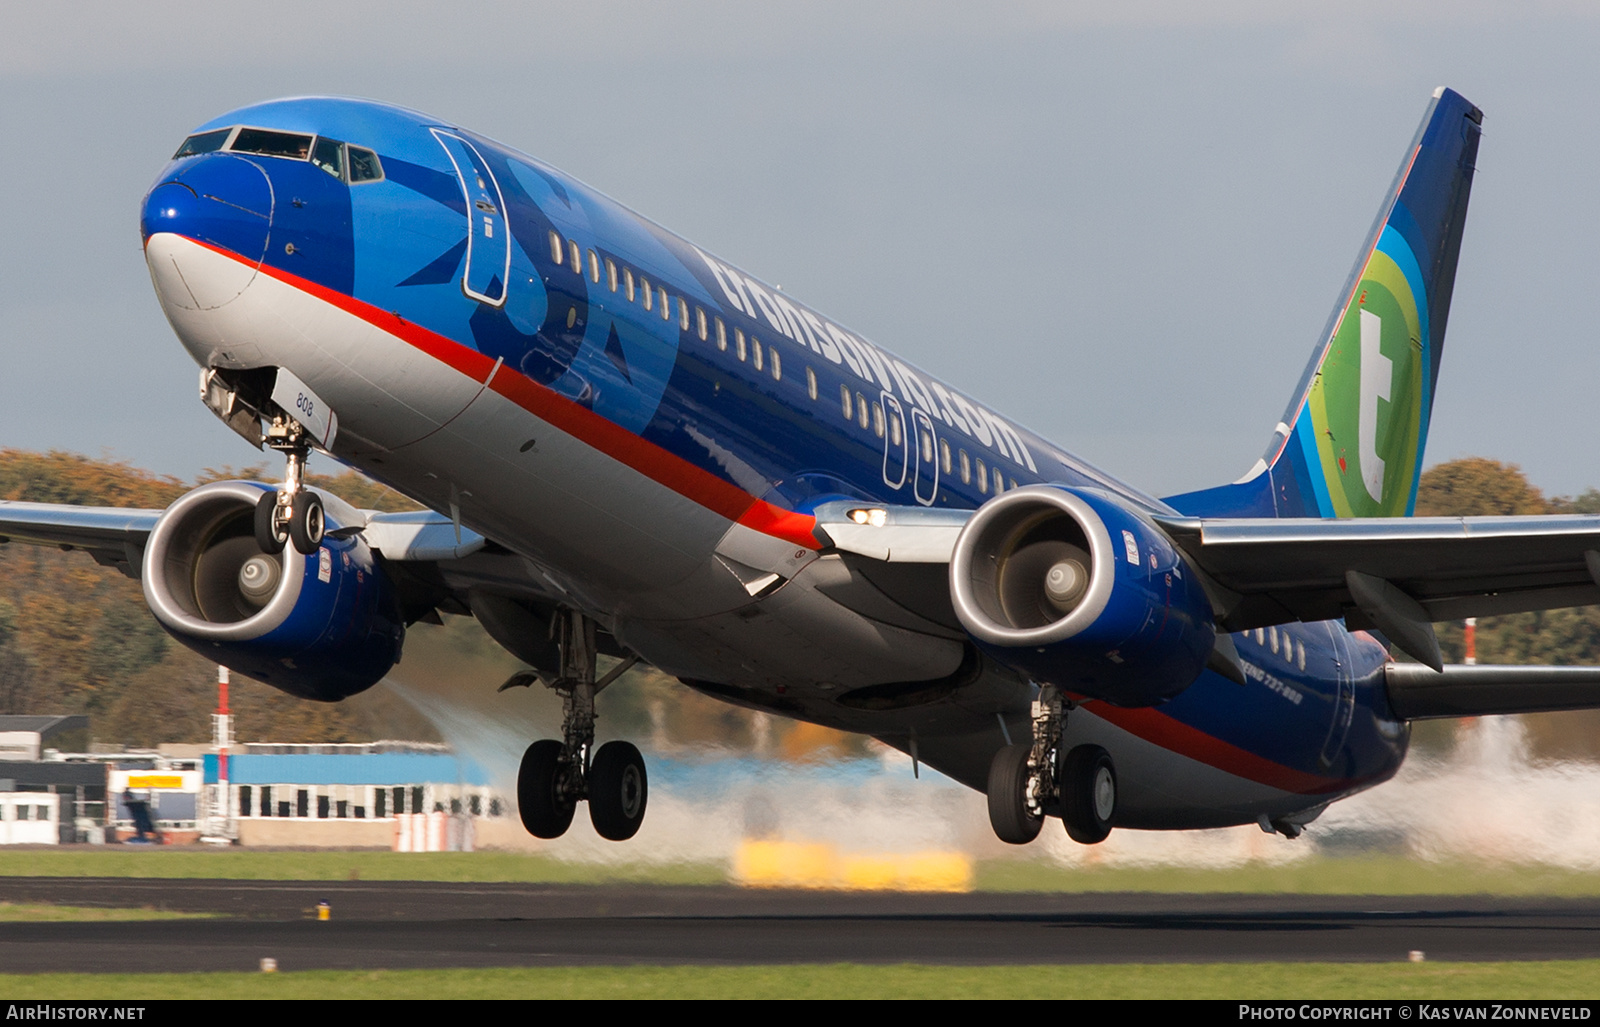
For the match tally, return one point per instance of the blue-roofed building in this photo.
(347, 795)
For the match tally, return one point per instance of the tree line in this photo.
(77, 638)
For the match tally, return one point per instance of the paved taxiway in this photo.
(410, 924)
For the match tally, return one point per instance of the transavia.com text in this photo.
(1419, 1011)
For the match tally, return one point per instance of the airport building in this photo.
(410, 796)
(350, 795)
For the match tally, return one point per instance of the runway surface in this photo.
(423, 924)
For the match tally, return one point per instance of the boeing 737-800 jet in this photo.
(631, 447)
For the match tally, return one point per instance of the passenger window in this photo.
(927, 449)
(844, 401)
(700, 323)
(1261, 636)
(594, 268)
(722, 335)
(777, 365)
(577, 256)
(611, 274)
(364, 165)
(862, 414)
(738, 344)
(894, 432)
(666, 305)
(649, 293)
(944, 455)
(811, 383)
(557, 251)
(966, 469)
(683, 315)
(627, 282)
(1300, 651)
(1013, 483)
(1272, 638)
(983, 478)
(203, 142)
(877, 419)
(328, 154)
(755, 352)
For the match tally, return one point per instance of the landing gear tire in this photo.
(307, 522)
(269, 536)
(546, 811)
(1008, 798)
(1088, 794)
(618, 790)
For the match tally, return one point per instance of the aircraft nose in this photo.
(222, 202)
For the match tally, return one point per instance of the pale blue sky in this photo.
(1123, 227)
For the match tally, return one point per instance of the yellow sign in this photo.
(155, 780)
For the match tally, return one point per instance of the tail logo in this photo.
(1368, 404)
(1377, 376)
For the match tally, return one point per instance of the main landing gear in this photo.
(556, 776)
(1028, 781)
(291, 513)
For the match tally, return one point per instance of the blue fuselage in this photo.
(693, 374)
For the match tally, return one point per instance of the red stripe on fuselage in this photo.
(1176, 736)
(615, 441)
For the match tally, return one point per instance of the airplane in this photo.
(631, 447)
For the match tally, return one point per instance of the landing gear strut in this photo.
(556, 776)
(1027, 781)
(291, 513)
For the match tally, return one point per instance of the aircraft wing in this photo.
(1272, 571)
(1451, 567)
(114, 536)
(1397, 574)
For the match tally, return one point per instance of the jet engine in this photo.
(1072, 587)
(321, 626)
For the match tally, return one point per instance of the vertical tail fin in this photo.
(1350, 443)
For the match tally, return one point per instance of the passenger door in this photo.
(488, 266)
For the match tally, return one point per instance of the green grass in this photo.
(341, 865)
(1552, 980)
(35, 912)
(1373, 875)
(1369, 875)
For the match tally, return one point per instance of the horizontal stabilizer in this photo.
(1420, 693)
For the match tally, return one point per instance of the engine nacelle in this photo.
(1072, 587)
(324, 626)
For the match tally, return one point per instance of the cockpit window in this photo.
(272, 144)
(203, 142)
(364, 166)
(328, 155)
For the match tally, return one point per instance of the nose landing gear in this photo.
(291, 513)
(555, 776)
